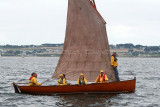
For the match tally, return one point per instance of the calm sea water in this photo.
(16, 69)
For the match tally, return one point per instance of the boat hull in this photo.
(113, 87)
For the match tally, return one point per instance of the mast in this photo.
(86, 48)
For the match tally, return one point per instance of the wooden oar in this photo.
(19, 83)
(46, 80)
(28, 83)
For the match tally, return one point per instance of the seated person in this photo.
(62, 80)
(33, 80)
(81, 80)
(102, 78)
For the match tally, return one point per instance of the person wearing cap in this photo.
(102, 78)
(33, 80)
(114, 64)
(62, 80)
(81, 80)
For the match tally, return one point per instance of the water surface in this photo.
(17, 69)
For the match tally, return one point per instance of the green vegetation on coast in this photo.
(52, 50)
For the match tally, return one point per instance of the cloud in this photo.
(44, 21)
(131, 21)
(33, 21)
(120, 34)
(120, 31)
(3, 38)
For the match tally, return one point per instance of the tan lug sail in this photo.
(86, 48)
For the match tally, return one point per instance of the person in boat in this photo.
(102, 78)
(114, 64)
(62, 80)
(33, 80)
(81, 80)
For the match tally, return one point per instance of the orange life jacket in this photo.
(30, 80)
(31, 77)
(102, 77)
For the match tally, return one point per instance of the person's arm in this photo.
(78, 81)
(112, 62)
(96, 80)
(64, 82)
(85, 81)
(58, 82)
(106, 78)
(35, 81)
(116, 63)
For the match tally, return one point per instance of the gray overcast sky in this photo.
(24, 22)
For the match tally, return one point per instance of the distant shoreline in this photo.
(59, 56)
(54, 50)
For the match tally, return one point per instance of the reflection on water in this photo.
(83, 100)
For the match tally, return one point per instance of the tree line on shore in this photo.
(131, 46)
(29, 46)
(13, 50)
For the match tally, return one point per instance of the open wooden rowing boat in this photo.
(113, 87)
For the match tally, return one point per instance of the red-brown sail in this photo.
(86, 48)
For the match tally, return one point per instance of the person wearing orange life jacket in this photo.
(33, 80)
(102, 78)
(62, 80)
(81, 80)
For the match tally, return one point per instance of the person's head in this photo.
(34, 74)
(61, 76)
(114, 54)
(101, 72)
(81, 76)
(64, 75)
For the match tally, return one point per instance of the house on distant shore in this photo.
(52, 45)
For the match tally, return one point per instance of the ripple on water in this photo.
(19, 70)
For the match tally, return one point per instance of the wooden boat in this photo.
(113, 87)
(86, 50)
